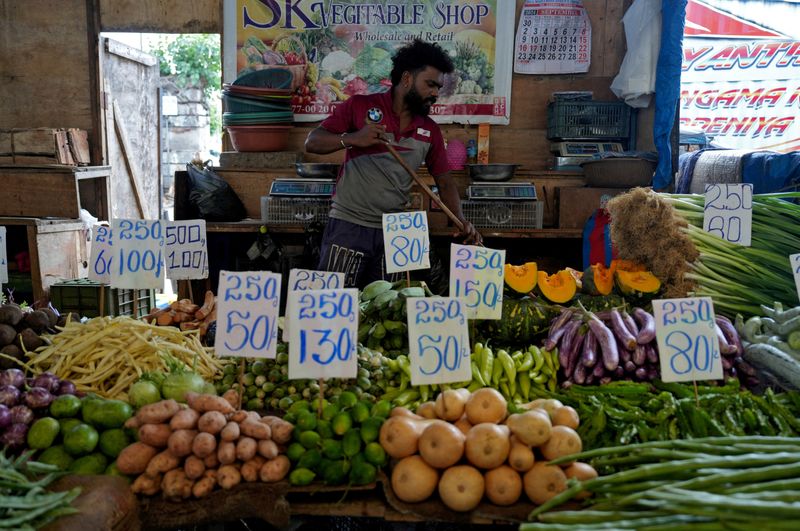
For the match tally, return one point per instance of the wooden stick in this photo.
(408, 279)
(102, 300)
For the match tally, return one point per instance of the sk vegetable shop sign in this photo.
(339, 48)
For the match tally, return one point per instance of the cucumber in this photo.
(768, 358)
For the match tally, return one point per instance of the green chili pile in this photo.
(702, 484)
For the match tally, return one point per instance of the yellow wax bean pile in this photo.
(106, 355)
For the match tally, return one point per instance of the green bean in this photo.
(778, 484)
(588, 516)
(749, 507)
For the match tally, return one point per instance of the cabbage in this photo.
(177, 384)
(373, 64)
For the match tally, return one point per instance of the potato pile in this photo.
(186, 315)
(465, 445)
(20, 329)
(184, 452)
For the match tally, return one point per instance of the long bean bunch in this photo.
(707, 483)
(24, 502)
(740, 279)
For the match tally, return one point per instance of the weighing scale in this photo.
(570, 155)
(501, 192)
(294, 201)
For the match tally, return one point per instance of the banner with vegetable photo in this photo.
(339, 48)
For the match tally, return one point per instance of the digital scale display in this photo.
(302, 187)
(508, 192)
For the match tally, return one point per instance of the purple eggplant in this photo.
(619, 373)
(48, 381)
(630, 367)
(574, 355)
(9, 395)
(607, 343)
(589, 351)
(38, 398)
(727, 363)
(640, 355)
(557, 329)
(5, 417)
(590, 378)
(21, 415)
(630, 324)
(14, 437)
(621, 331)
(641, 373)
(569, 331)
(599, 371)
(579, 374)
(14, 377)
(605, 380)
(603, 315)
(731, 334)
(650, 352)
(647, 326)
(745, 367)
(66, 388)
(652, 373)
(725, 348)
(625, 355)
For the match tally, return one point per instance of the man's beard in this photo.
(417, 105)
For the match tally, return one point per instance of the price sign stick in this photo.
(191, 293)
(408, 278)
(102, 300)
(696, 397)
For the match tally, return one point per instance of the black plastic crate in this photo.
(82, 296)
(587, 120)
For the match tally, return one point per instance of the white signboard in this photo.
(324, 334)
(795, 261)
(476, 275)
(186, 252)
(3, 257)
(304, 280)
(247, 314)
(438, 341)
(553, 38)
(138, 254)
(687, 343)
(728, 212)
(102, 256)
(406, 243)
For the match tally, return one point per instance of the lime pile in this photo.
(82, 435)
(340, 445)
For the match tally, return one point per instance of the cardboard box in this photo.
(576, 205)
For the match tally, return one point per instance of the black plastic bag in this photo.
(213, 198)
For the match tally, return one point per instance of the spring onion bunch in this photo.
(738, 278)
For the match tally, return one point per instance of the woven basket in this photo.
(298, 71)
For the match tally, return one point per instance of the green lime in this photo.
(295, 451)
(65, 406)
(309, 439)
(360, 412)
(43, 433)
(329, 411)
(351, 443)
(301, 476)
(347, 399)
(66, 424)
(81, 439)
(371, 429)
(335, 472)
(106, 413)
(324, 428)
(306, 421)
(341, 423)
(89, 464)
(113, 441)
(56, 455)
(332, 449)
(310, 459)
(375, 454)
(299, 406)
(362, 473)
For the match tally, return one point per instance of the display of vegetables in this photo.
(336, 442)
(186, 315)
(772, 345)
(627, 412)
(704, 483)
(466, 446)
(25, 505)
(21, 328)
(105, 355)
(382, 325)
(186, 452)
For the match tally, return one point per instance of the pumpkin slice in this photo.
(521, 278)
(577, 275)
(598, 280)
(637, 282)
(625, 265)
(558, 288)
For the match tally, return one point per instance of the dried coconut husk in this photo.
(646, 229)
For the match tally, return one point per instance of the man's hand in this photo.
(470, 234)
(369, 135)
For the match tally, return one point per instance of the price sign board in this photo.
(438, 341)
(795, 261)
(406, 243)
(3, 257)
(476, 275)
(247, 314)
(687, 342)
(138, 254)
(728, 212)
(102, 256)
(324, 334)
(186, 249)
(304, 280)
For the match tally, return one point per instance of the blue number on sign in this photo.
(125, 227)
(681, 343)
(443, 355)
(340, 348)
(306, 302)
(391, 223)
(101, 265)
(669, 309)
(102, 234)
(232, 325)
(707, 354)
(463, 255)
(434, 340)
(249, 332)
(231, 292)
(407, 251)
(796, 260)
(419, 221)
(140, 260)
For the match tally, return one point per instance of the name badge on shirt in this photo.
(423, 132)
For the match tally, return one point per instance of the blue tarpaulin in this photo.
(668, 86)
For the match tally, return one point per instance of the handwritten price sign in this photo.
(405, 241)
(186, 250)
(138, 254)
(687, 343)
(728, 212)
(247, 314)
(102, 256)
(476, 275)
(304, 280)
(795, 261)
(3, 257)
(324, 334)
(438, 341)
